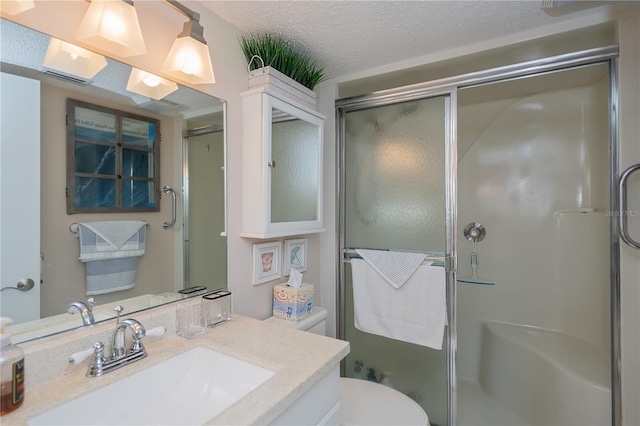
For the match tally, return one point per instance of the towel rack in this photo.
(75, 227)
(438, 258)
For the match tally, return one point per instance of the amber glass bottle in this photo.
(11, 371)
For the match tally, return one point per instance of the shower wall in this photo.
(533, 169)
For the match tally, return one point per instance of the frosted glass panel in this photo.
(395, 199)
(417, 371)
(395, 176)
(294, 179)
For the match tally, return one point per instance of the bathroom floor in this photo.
(475, 408)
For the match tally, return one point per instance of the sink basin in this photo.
(187, 389)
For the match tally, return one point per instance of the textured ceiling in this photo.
(351, 36)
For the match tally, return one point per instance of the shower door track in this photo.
(548, 65)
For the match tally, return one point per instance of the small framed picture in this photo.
(295, 255)
(266, 262)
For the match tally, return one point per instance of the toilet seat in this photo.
(367, 403)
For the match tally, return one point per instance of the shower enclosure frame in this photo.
(449, 87)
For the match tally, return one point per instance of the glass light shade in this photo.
(72, 59)
(112, 25)
(189, 60)
(150, 85)
(13, 7)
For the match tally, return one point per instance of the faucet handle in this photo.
(99, 360)
(157, 331)
(137, 342)
(78, 357)
(97, 348)
(91, 302)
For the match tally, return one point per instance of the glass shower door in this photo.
(397, 186)
(205, 238)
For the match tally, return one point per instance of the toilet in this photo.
(363, 402)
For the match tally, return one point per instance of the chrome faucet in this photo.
(85, 310)
(120, 356)
(118, 347)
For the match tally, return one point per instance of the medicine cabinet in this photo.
(282, 166)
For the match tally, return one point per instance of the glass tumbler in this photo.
(216, 307)
(189, 320)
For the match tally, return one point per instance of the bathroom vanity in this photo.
(304, 387)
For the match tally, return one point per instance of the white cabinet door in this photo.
(320, 405)
(282, 166)
(19, 195)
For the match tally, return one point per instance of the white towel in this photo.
(110, 251)
(111, 239)
(110, 275)
(415, 312)
(394, 266)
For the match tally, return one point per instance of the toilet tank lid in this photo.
(317, 315)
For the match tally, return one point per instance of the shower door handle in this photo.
(624, 232)
(167, 190)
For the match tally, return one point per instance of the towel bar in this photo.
(438, 259)
(75, 227)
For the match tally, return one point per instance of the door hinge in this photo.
(450, 263)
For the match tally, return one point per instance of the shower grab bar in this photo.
(438, 259)
(74, 228)
(624, 231)
(168, 190)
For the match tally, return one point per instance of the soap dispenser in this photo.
(11, 371)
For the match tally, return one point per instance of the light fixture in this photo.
(72, 59)
(112, 25)
(150, 85)
(13, 7)
(189, 58)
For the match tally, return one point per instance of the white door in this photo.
(19, 195)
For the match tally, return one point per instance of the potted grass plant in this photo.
(275, 62)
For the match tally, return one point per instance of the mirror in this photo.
(294, 178)
(164, 269)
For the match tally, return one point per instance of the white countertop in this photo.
(299, 360)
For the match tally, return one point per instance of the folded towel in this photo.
(111, 239)
(394, 266)
(107, 276)
(110, 251)
(415, 312)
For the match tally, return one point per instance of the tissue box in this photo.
(292, 304)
